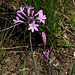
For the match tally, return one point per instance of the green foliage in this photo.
(73, 69)
(23, 2)
(73, 17)
(24, 72)
(13, 3)
(68, 45)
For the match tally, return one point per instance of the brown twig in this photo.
(66, 30)
(14, 47)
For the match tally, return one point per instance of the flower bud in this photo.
(44, 37)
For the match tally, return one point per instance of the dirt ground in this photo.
(61, 65)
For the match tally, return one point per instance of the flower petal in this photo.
(19, 15)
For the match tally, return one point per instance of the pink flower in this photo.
(17, 20)
(28, 9)
(31, 18)
(21, 11)
(39, 12)
(41, 16)
(33, 26)
(44, 37)
(32, 12)
(46, 54)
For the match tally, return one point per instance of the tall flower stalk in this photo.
(32, 55)
(46, 54)
(44, 61)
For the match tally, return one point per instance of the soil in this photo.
(57, 64)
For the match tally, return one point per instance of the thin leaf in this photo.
(73, 17)
(24, 72)
(73, 68)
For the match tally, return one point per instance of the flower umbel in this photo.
(32, 18)
(44, 37)
(46, 54)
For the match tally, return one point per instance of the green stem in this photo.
(32, 55)
(44, 61)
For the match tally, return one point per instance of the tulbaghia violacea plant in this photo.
(26, 15)
(33, 20)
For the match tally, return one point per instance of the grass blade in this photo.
(24, 72)
(73, 68)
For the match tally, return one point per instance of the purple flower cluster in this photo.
(33, 19)
(46, 54)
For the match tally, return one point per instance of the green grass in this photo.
(73, 69)
(24, 72)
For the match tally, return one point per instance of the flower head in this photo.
(46, 54)
(33, 26)
(44, 37)
(17, 20)
(28, 9)
(30, 17)
(39, 12)
(21, 11)
(41, 17)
